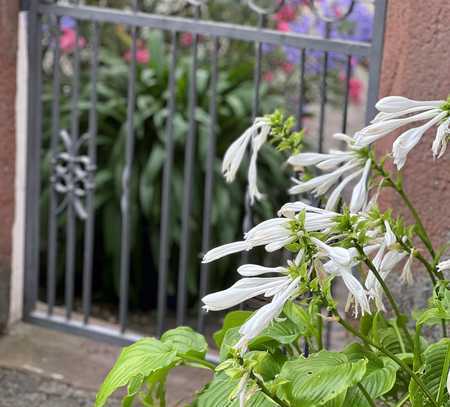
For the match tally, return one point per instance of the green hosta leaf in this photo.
(320, 378)
(434, 372)
(141, 359)
(231, 338)
(186, 341)
(439, 307)
(283, 332)
(221, 389)
(301, 318)
(232, 320)
(377, 381)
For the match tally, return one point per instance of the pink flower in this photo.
(268, 76)
(287, 67)
(186, 39)
(355, 90)
(283, 26)
(286, 13)
(68, 38)
(142, 55)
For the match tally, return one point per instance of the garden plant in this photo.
(276, 355)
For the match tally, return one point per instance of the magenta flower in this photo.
(186, 39)
(356, 88)
(142, 55)
(283, 26)
(287, 13)
(68, 38)
(268, 76)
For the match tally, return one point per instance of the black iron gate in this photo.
(73, 156)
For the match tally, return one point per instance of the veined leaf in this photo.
(320, 378)
(218, 392)
(186, 341)
(433, 374)
(232, 319)
(140, 359)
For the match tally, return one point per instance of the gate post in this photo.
(9, 11)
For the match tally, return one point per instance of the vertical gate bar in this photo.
(248, 213)
(301, 100)
(70, 213)
(188, 181)
(126, 176)
(166, 202)
(376, 57)
(33, 181)
(53, 216)
(348, 74)
(262, 20)
(323, 91)
(211, 157)
(92, 153)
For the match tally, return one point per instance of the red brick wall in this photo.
(8, 40)
(416, 64)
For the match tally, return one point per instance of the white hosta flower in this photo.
(396, 112)
(440, 142)
(263, 317)
(243, 290)
(277, 233)
(340, 264)
(384, 263)
(360, 192)
(242, 390)
(444, 266)
(256, 135)
(389, 237)
(406, 277)
(448, 382)
(341, 168)
(398, 104)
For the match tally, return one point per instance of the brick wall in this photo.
(416, 64)
(8, 40)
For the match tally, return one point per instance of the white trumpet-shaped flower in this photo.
(340, 167)
(406, 277)
(398, 111)
(384, 262)
(248, 287)
(256, 136)
(281, 288)
(444, 265)
(277, 233)
(340, 264)
(263, 317)
(448, 382)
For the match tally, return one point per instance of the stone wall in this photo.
(416, 64)
(8, 40)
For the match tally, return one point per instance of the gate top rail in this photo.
(213, 29)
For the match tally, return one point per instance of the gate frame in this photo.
(257, 35)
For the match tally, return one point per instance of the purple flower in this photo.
(67, 22)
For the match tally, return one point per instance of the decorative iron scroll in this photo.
(72, 174)
(315, 9)
(266, 10)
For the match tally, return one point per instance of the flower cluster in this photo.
(327, 243)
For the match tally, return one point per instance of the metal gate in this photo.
(73, 165)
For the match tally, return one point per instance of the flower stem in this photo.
(397, 187)
(268, 393)
(403, 400)
(390, 355)
(386, 290)
(366, 395)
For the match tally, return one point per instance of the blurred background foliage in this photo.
(234, 101)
